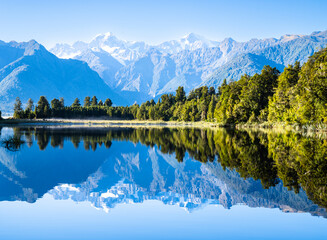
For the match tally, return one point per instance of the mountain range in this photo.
(131, 71)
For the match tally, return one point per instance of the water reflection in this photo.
(185, 167)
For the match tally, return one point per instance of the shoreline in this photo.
(280, 127)
(104, 123)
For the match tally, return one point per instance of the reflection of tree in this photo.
(12, 144)
(247, 155)
(301, 162)
(268, 157)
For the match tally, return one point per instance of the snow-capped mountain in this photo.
(149, 71)
(189, 42)
(28, 70)
(123, 51)
(137, 71)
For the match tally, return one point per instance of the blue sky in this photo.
(50, 22)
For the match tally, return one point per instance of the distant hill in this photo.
(28, 70)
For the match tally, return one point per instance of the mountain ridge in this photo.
(33, 71)
(131, 72)
(196, 61)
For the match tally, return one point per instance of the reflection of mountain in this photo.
(146, 164)
(30, 173)
(145, 173)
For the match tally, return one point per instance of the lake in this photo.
(65, 182)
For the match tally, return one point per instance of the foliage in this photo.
(18, 110)
(42, 109)
(76, 103)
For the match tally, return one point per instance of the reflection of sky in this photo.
(65, 219)
(97, 172)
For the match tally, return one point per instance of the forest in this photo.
(298, 95)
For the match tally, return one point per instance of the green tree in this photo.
(279, 109)
(30, 105)
(212, 91)
(229, 97)
(18, 110)
(28, 113)
(55, 104)
(42, 109)
(76, 103)
(255, 95)
(100, 103)
(94, 101)
(62, 102)
(87, 101)
(310, 102)
(108, 102)
(211, 108)
(180, 94)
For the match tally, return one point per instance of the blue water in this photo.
(53, 189)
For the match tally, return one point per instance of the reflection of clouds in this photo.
(6, 132)
(29, 195)
(187, 189)
(8, 160)
(126, 193)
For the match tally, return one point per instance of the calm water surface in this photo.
(122, 183)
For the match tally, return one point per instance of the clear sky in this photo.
(155, 21)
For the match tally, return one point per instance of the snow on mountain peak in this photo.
(192, 37)
(189, 42)
(290, 37)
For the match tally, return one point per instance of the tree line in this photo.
(298, 95)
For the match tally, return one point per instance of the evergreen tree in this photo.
(211, 108)
(62, 102)
(42, 109)
(212, 91)
(87, 101)
(310, 103)
(280, 103)
(180, 94)
(76, 103)
(18, 110)
(55, 104)
(94, 101)
(108, 103)
(30, 105)
(255, 95)
(28, 113)
(100, 103)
